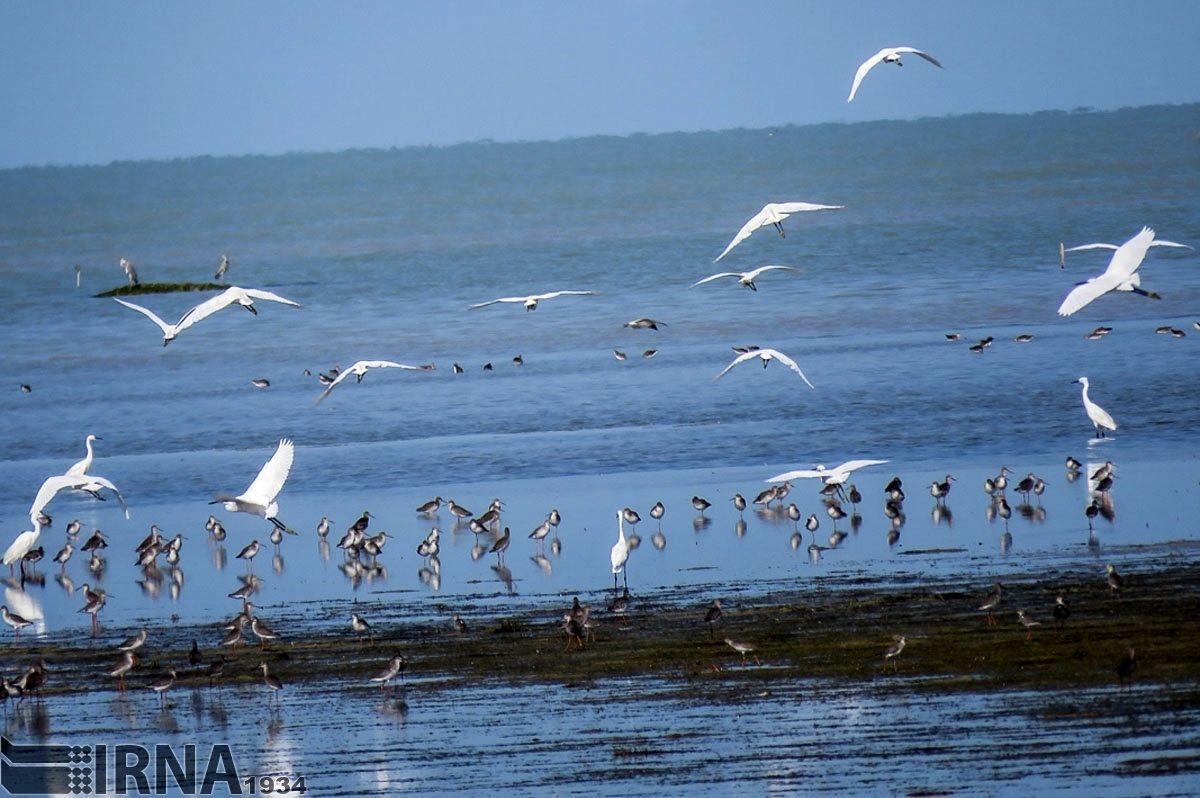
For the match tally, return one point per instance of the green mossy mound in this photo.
(160, 288)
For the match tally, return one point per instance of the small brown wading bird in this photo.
(395, 667)
(161, 686)
(1028, 623)
(128, 660)
(15, 621)
(360, 627)
(272, 682)
(1062, 611)
(893, 652)
(1116, 584)
(713, 617)
(991, 602)
(744, 649)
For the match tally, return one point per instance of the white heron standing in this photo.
(260, 498)
(619, 553)
(1099, 417)
(773, 213)
(21, 546)
(83, 465)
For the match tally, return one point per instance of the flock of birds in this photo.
(260, 498)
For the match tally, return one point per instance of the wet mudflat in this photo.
(654, 699)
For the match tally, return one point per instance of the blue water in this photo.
(949, 225)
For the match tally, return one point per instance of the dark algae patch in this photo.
(802, 634)
(160, 288)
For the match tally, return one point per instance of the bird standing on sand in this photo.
(1028, 623)
(1116, 584)
(743, 649)
(892, 652)
(713, 617)
(1062, 611)
(991, 602)
(1099, 417)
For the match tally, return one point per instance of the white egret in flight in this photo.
(773, 213)
(888, 55)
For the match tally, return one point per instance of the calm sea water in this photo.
(949, 225)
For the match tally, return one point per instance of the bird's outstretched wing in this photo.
(258, 293)
(270, 479)
(924, 55)
(162, 325)
(864, 68)
(753, 275)
(787, 361)
(50, 489)
(1084, 293)
(717, 276)
(1129, 256)
(854, 465)
(341, 376)
(501, 299)
(804, 473)
(756, 221)
(1159, 242)
(737, 361)
(788, 208)
(205, 309)
(104, 483)
(1082, 247)
(553, 294)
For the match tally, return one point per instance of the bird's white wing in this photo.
(104, 483)
(806, 473)
(788, 208)
(270, 297)
(742, 358)
(50, 489)
(1102, 417)
(863, 69)
(753, 275)
(1082, 247)
(269, 482)
(1129, 256)
(1158, 242)
(854, 465)
(915, 51)
(501, 299)
(162, 325)
(787, 361)
(717, 276)
(553, 294)
(756, 221)
(1085, 293)
(205, 309)
(383, 364)
(341, 376)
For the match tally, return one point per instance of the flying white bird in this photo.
(531, 302)
(359, 370)
(830, 476)
(259, 498)
(234, 295)
(888, 55)
(745, 278)
(83, 465)
(89, 483)
(1121, 274)
(1099, 417)
(773, 213)
(766, 355)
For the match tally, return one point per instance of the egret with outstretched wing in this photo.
(259, 498)
(766, 356)
(359, 370)
(773, 213)
(1121, 274)
(745, 278)
(888, 55)
(531, 302)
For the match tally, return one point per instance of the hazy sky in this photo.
(90, 82)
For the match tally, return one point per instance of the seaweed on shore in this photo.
(160, 288)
